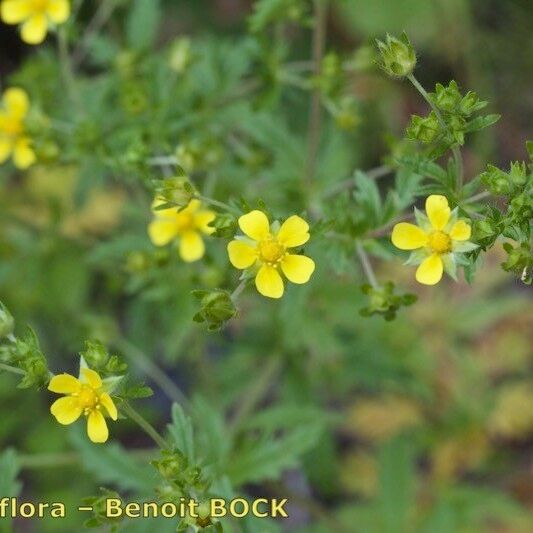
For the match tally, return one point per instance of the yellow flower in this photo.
(187, 225)
(86, 395)
(13, 139)
(266, 247)
(36, 16)
(437, 239)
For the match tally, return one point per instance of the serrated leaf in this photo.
(481, 123)
(268, 458)
(182, 433)
(111, 463)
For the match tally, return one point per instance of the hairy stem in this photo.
(367, 266)
(456, 151)
(315, 114)
(12, 369)
(255, 392)
(238, 290)
(134, 415)
(144, 363)
(101, 16)
(53, 460)
(217, 203)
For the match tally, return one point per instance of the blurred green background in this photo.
(426, 421)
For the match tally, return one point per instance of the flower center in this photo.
(87, 398)
(184, 221)
(11, 126)
(271, 251)
(39, 5)
(440, 242)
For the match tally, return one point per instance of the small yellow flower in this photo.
(266, 247)
(13, 139)
(437, 239)
(86, 395)
(188, 225)
(36, 16)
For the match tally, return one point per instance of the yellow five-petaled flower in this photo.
(13, 138)
(187, 225)
(84, 396)
(36, 16)
(437, 239)
(266, 248)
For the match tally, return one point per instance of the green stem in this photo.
(12, 369)
(238, 290)
(367, 266)
(153, 371)
(315, 115)
(66, 67)
(255, 392)
(128, 410)
(53, 460)
(455, 148)
(217, 203)
(101, 16)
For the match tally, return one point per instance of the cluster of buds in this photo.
(7, 323)
(502, 183)
(174, 192)
(98, 358)
(216, 308)
(383, 301)
(450, 100)
(398, 57)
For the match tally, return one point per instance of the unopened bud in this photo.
(398, 57)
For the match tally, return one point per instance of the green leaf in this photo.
(9, 470)
(111, 463)
(396, 475)
(182, 433)
(481, 123)
(142, 23)
(266, 458)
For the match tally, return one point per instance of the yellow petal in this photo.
(169, 213)
(15, 11)
(64, 384)
(461, 231)
(6, 147)
(241, 255)
(16, 102)
(66, 410)
(34, 29)
(430, 271)
(408, 236)
(192, 206)
(269, 282)
(97, 427)
(438, 211)
(162, 231)
(109, 405)
(202, 220)
(255, 225)
(91, 377)
(23, 154)
(293, 232)
(192, 246)
(58, 11)
(297, 268)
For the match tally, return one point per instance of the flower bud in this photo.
(217, 307)
(7, 323)
(178, 191)
(398, 57)
(424, 129)
(180, 55)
